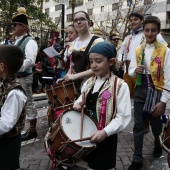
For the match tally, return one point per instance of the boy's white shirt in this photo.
(148, 52)
(123, 106)
(135, 42)
(11, 110)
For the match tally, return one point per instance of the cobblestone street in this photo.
(34, 157)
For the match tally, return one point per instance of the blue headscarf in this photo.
(104, 48)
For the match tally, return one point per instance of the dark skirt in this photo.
(10, 152)
(104, 156)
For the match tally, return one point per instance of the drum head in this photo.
(71, 122)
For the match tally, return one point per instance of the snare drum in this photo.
(165, 137)
(66, 128)
(62, 95)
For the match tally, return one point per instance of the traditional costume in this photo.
(12, 120)
(157, 63)
(29, 48)
(108, 102)
(127, 52)
(76, 51)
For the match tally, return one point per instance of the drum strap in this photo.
(85, 55)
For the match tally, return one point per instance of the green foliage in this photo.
(33, 8)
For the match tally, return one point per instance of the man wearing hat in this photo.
(114, 39)
(20, 29)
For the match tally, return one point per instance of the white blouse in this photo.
(123, 107)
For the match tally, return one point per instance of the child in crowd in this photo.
(72, 34)
(152, 63)
(108, 101)
(12, 108)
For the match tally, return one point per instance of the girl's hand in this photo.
(59, 80)
(78, 106)
(99, 136)
(70, 77)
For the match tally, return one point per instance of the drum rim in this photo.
(164, 147)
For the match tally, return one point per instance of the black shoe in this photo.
(135, 166)
(157, 152)
(28, 135)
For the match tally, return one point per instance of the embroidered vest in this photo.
(158, 53)
(7, 87)
(109, 85)
(22, 47)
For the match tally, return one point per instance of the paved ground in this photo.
(34, 157)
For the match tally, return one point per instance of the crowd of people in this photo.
(111, 74)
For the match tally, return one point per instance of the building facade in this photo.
(111, 14)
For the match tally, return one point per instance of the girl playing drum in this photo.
(107, 101)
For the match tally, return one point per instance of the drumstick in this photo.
(77, 140)
(160, 87)
(82, 114)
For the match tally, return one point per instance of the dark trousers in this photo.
(10, 152)
(104, 156)
(139, 123)
(36, 77)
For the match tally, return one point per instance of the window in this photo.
(78, 3)
(90, 11)
(58, 7)
(47, 11)
(57, 20)
(115, 6)
(146, 2)
(102, 8)
(168, 17)
(69, 17)
(101, 23)
(168, 1)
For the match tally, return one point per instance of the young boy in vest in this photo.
(154, 69)
(12, 107)
(108, 101)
